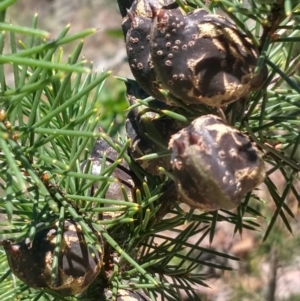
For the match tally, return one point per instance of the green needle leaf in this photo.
(23, 30)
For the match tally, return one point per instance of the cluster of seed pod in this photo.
(198, 58)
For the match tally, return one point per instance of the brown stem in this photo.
(273, 276)
(274, 19)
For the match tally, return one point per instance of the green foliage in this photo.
(50, 113)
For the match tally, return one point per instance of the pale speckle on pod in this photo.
(121, 173)
(214, 164)
(127, 295)
(217, 60)
(78, 265)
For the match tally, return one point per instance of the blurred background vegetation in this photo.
(105, 48)
(268, 270)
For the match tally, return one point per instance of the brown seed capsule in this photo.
(216, 64)
(78, 265)
(124, 177)
(148, 132)
(139, 59)
(214, 164)
(121, 173)
(136, 28)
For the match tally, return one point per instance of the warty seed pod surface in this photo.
(214, 164)
(203, 58)
(136, 28)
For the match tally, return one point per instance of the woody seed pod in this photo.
(214, 164)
